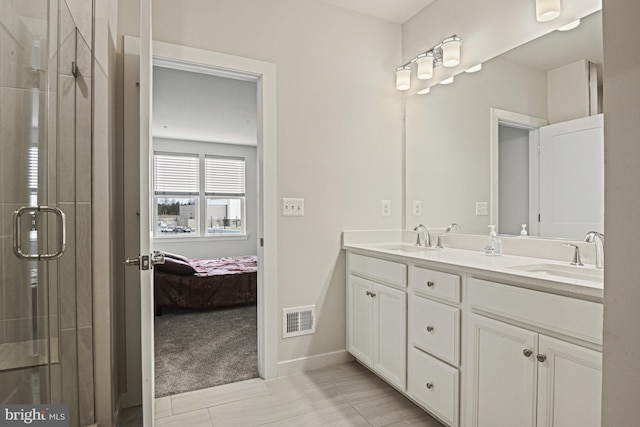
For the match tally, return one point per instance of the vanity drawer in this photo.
(435, 385)
(435, 284)
(568, 316)
(379, 270)
(435, 328)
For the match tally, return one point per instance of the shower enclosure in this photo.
(46, 316)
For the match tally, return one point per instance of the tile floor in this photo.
(342, 395)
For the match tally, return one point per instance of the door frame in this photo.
(521, 121)
(264, 74)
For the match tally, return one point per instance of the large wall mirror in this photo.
(476, 141)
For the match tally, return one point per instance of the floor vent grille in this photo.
(298, 321)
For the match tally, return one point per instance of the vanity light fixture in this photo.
(547, 10)
(473, 69)
(447, 81)
(424, 91)
(570, 26)
(425, 65)
(403, 77)
(446, 53)
(451, 51)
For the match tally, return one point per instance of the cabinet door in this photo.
(569, 385)
(359, 330)
(390, 334)
(504, 377)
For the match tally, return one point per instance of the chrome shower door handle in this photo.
(17, 233)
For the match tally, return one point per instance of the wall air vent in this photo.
(298, 321)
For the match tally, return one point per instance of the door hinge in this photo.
(538, 217)
(262, 242)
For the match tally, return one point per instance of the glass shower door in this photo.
(25, 324)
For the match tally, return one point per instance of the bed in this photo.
(205, 283)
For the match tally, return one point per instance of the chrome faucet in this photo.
(453, 226)
(598, 239)
(427, 237)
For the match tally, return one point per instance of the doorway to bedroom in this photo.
(205, 216)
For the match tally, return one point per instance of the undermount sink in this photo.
(406, 248)
(567, 271)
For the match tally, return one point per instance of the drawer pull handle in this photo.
(429, 328)
(430, 284)
(541, 358)
(429, 386)
(527, 352)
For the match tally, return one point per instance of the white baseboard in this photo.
(317, 361)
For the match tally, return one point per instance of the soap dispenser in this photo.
(493, 246)
(524, 230)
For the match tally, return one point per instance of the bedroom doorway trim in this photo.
(264, 74)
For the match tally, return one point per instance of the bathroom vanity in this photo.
(477, 340)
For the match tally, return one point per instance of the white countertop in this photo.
(499, 268)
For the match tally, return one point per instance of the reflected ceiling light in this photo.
(424, 91)
(547, 10)
(447, 81)
(425, 65)
(451, 51)
(570, 26)
(445, 53)
(403, 77)
(473, 69)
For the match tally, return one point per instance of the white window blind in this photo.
(175, 174)
(224, 176)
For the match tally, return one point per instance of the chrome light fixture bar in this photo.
(445, 53)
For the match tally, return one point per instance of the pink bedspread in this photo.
(224, 266)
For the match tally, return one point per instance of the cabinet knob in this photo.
(541, 358)
(429, 386)
(527, 352)
(372, 294)
(368, 293)
(430, 284)
(429, 328)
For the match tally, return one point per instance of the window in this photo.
(198, 195)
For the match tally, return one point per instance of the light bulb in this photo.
(570, 26)
(424, 91)
(425, 66)
(451, 52)
(473, 69)
(403, 78)
(447, 81)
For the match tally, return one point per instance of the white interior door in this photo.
(146, 278)
(572, 178)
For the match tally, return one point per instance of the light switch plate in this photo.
(292, 207)
(482, 208)
(386, 207)
(417, 207)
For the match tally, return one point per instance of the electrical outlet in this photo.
(386, 207)
(482, 208)
(417, 207)
(292, 207)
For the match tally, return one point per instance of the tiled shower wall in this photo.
(64, 121)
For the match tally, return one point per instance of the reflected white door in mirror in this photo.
(550, 177)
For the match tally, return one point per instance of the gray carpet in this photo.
(196, 349)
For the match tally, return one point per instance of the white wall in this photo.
(209, 247)
(621, 382)
(338, 125)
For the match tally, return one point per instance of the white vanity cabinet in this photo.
(434, 342)
(522, 377)
(376, 316)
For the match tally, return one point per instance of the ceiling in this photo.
(396, 11)
(203, 107)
